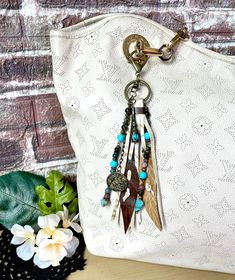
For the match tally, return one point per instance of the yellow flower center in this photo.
(50, 230)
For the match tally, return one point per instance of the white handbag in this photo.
(193, 118)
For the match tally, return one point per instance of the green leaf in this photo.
(18, 200)
(73, 207)
(58, 192)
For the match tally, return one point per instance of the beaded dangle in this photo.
(133, 173)
(116, 181)
(133, 167)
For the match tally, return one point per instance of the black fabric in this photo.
(12, 267)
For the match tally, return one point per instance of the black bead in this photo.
(117, 149)
(128, 110)
(141, 193)
(115, 155)
(146, 156)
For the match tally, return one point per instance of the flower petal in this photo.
(40, 263)
(64, 217)
(26, 250)
(51, 220)
(42, 234)
(62, 235)
(71, 246)
(18, 230)
(60, 214)
(28, 228)
(51, 250)
(16, 240)
(66, 212)
(45, 243)
(75, 218)
(76, 227)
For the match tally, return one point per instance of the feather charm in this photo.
(150, 193)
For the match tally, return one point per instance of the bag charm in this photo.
(134, 174)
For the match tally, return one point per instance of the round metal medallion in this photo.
(117, 182)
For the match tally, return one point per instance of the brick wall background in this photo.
(32, 130)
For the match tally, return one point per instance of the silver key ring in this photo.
(128, 88)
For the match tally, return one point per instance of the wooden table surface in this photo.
(99, 268)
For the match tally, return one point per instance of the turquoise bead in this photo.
(103, 202)
(147, 136)
(143, 175)
(139, 204)
(113, 163)
(107, 190)
(121, 137)
(135, 137)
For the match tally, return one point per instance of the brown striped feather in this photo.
(150, 200)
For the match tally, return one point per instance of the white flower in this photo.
(69, 221)
(48, 224)
(52, 251)
(26, 236)
(53, 243)
(49, 252)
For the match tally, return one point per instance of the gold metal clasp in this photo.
(181, 34)
(132, 47)
(167, 49)
(152, 51)
(137, 49)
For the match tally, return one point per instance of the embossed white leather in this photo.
(193, 117)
